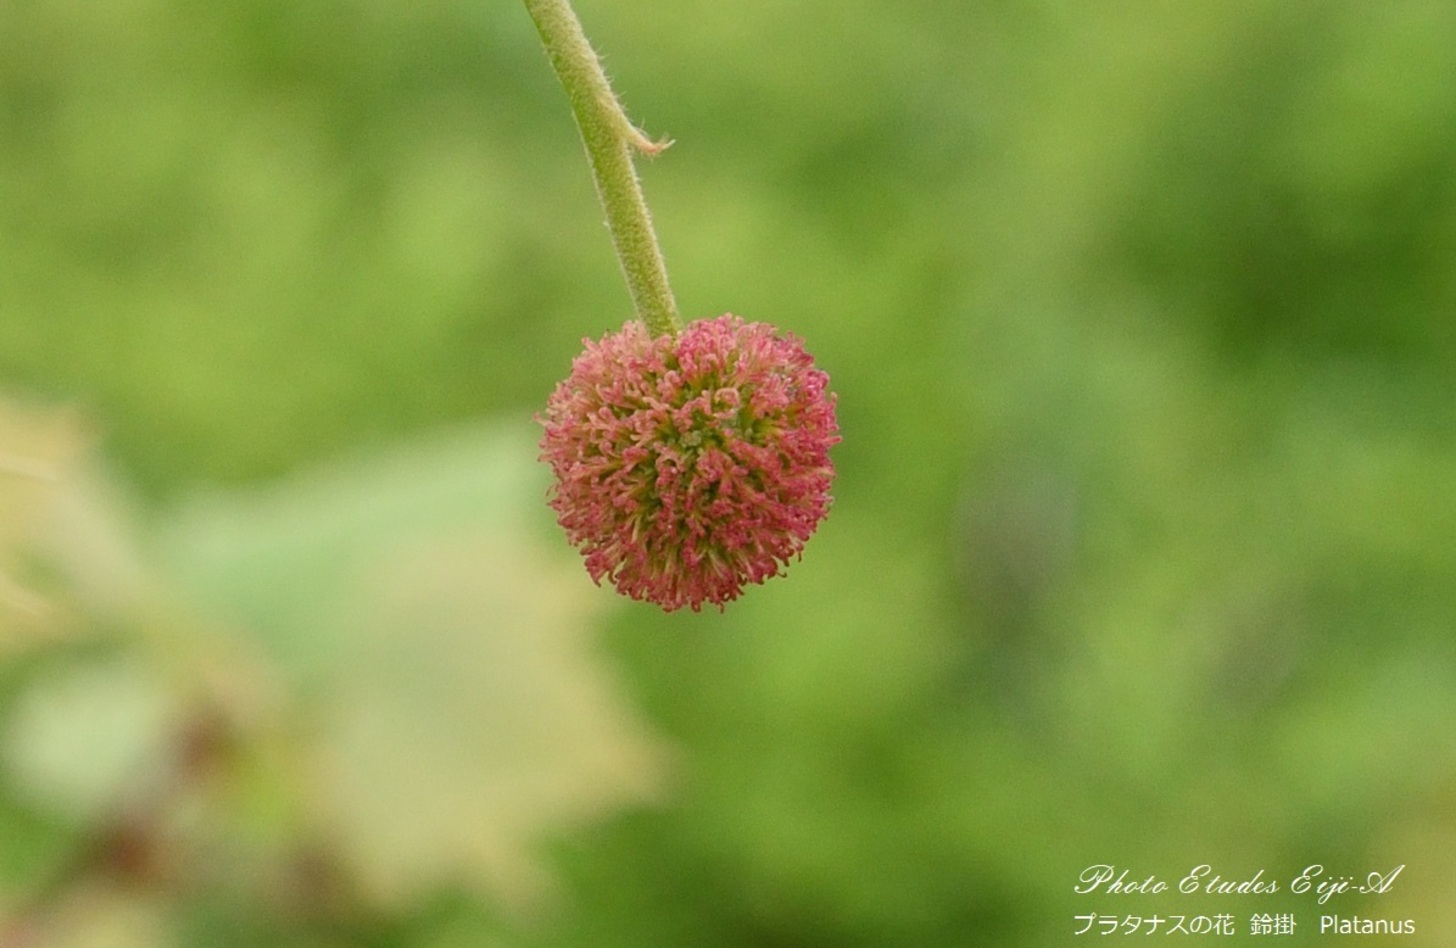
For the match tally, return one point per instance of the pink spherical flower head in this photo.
(689, 466)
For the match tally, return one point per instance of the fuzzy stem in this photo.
(609, 137)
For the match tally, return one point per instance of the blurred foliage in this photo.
(1141, 319)
(331, 698)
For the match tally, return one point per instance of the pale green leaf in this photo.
(440, 644)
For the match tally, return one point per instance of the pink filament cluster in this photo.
(689, 466)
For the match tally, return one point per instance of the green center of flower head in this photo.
(689, 466)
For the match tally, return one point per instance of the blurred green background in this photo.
(1140, 317)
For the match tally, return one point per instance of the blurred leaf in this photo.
(105, 918)
(81, 738)
(443, 652)
(37, 450)
(70, 560)
(87, 711)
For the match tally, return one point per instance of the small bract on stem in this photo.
(610, 138)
